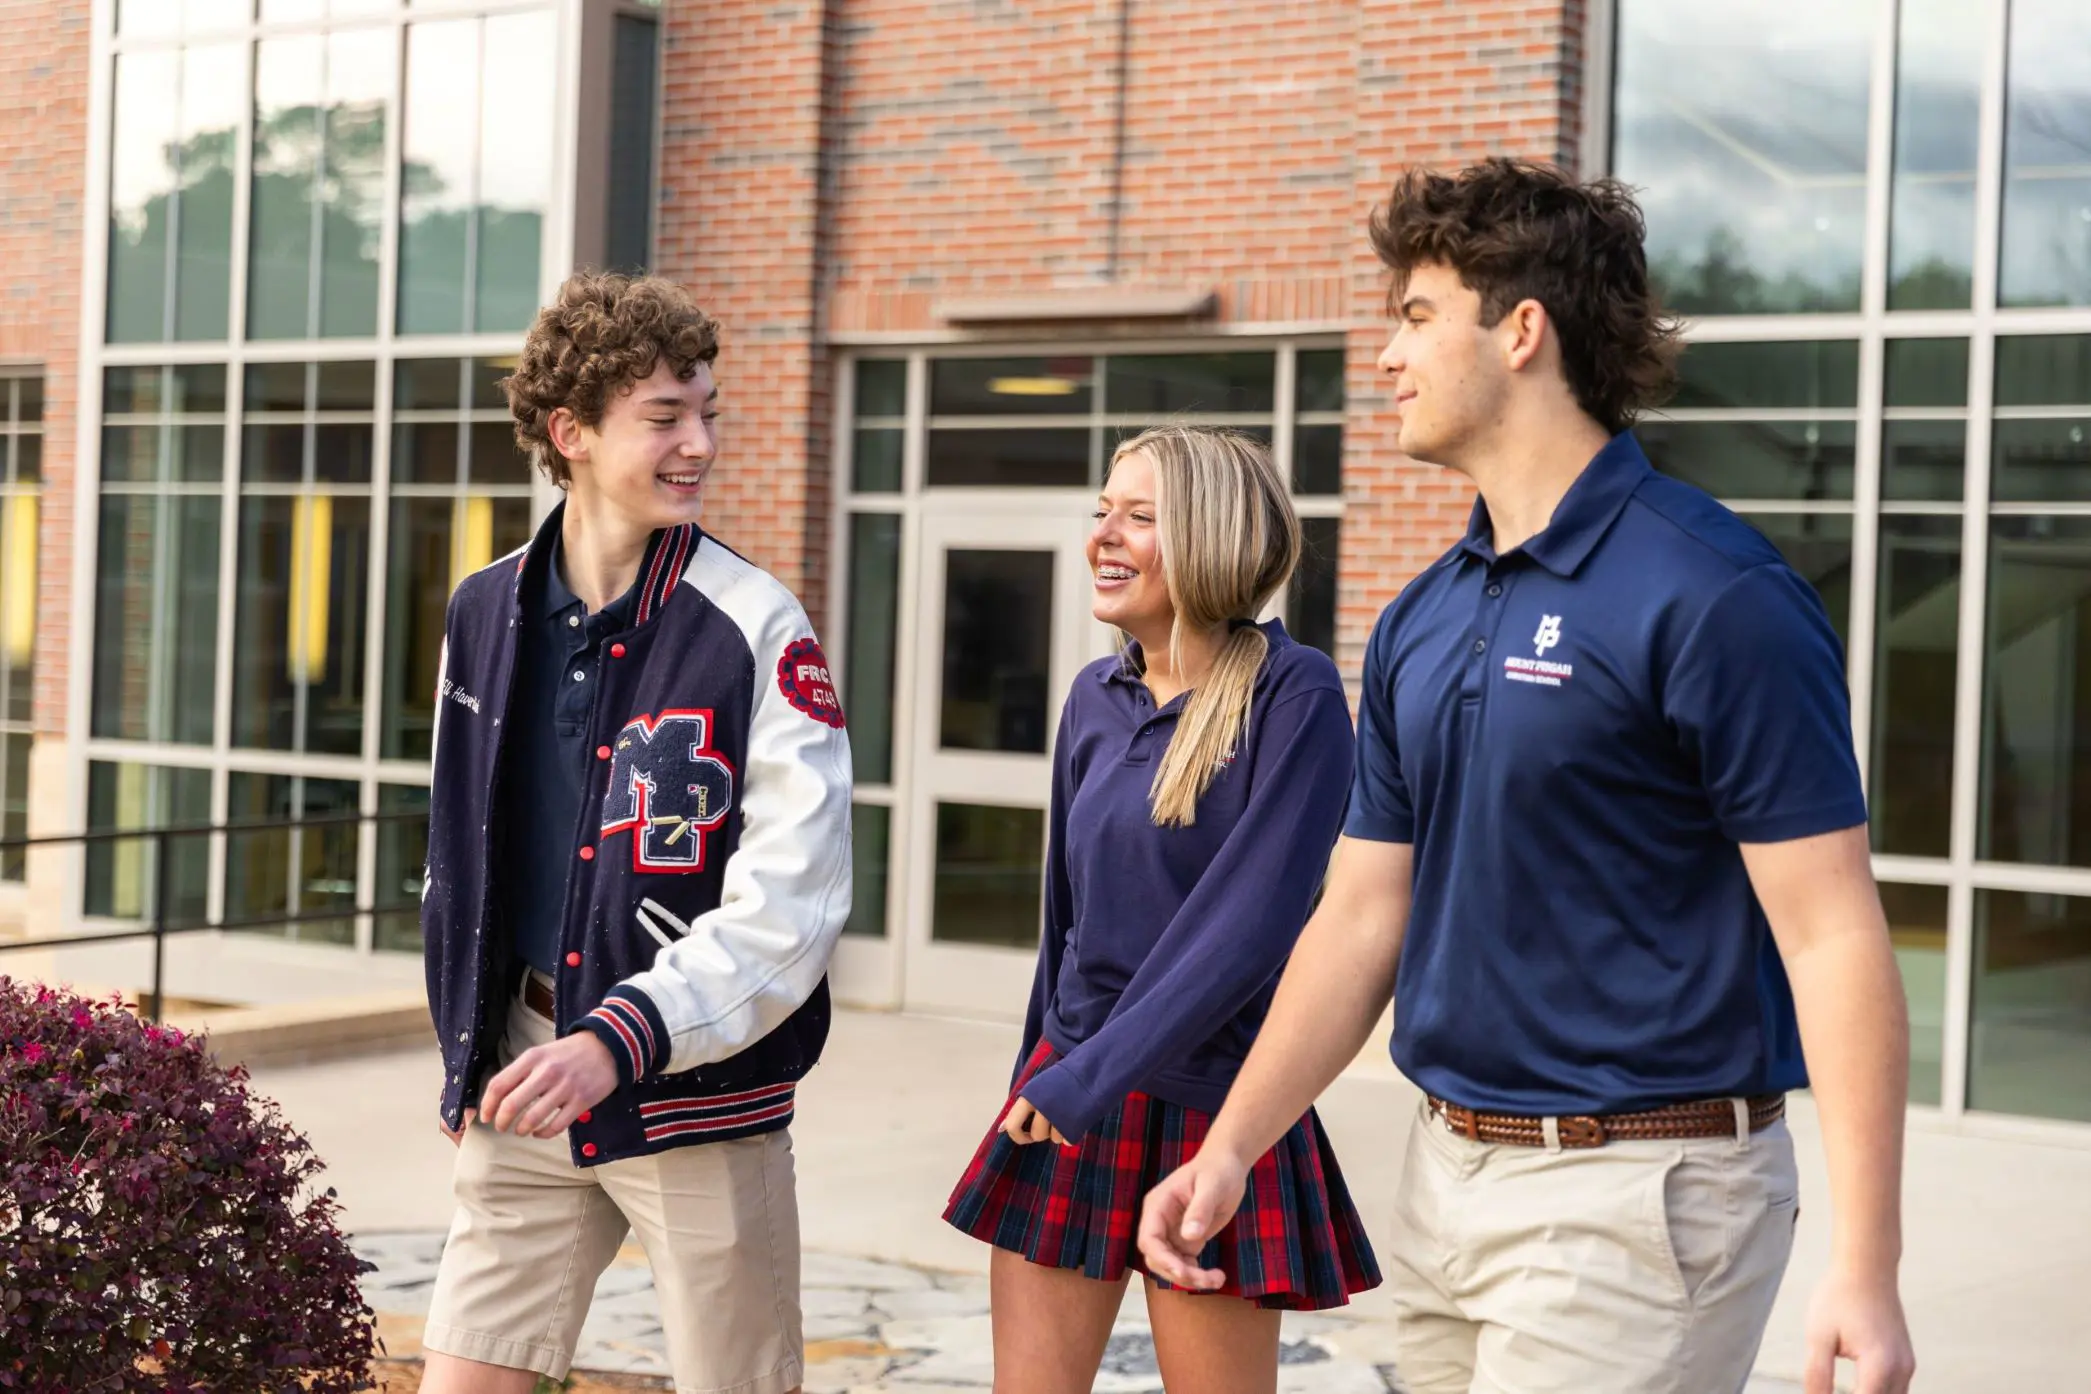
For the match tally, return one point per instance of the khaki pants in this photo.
(719, 1223)
(1632, 1268)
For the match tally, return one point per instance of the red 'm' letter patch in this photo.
(803, 678)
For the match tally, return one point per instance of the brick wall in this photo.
(43, 108)
(837, 168)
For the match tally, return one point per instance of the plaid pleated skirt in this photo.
(1296, 1244)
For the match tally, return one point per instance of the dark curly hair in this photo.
(601, 333)
(1518, 231)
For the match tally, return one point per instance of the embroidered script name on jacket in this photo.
(710, 870)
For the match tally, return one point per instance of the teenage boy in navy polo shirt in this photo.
(1606, 811)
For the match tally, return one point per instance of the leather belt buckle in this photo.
(1581, 1130)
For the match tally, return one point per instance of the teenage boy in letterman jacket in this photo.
(638, 862)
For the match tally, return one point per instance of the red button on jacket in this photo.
(588, 1149)
(573, 960)
(583, 1116)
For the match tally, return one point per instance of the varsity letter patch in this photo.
(802, 676)
(669, 789)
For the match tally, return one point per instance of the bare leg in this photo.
(453, 1374)
(1051, 1325)
(1211, 1344)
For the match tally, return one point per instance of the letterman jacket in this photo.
(711, 868)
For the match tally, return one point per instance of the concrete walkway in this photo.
(1997, 1275)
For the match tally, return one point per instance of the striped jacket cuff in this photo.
(632, 1027)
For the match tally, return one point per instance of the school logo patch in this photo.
(669, 789)
(803, 678)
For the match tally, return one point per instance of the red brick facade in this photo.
(835, 170)
(43, 109)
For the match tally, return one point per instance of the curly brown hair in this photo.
(1517, 231)
(602, 332)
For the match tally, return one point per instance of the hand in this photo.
(1193, 1203)
(1859, 1318)
(546, 1087)
(1025, 1124)
(457, 1134)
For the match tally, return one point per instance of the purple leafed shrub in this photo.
(157, 1228)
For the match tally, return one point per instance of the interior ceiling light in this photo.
(1033, 387)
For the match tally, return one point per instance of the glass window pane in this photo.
(132, 389)
(1924, 460)
(1010, 386)
(288, 78)
(290, 11)
(2029, 1046)
(997, 645)
(1817, 373)
(2036, 768)
(1049, 458)
(1818, 546)
(142, 182)
(120, 875)
(1917, 928)
(30, 403)
(1743, 127)
(487, 375)
(871, 838)
(2041, 460)
(130, 453)
(439, 153)
(875, 463)
(273, 454)
(422, 383)
(1916, 655)
(1310, 605)
(206, 15)
(156, 618)
(434, 544)
(285, 873)
(19, 515)
(341, 454)
(148, 19)
(989, 886)
(29, 459)
(882, 387)
(495, 456)
(1756, 459)
(1926, 373)
(515, 167)
(298, 638)
(1317, 460)
(14, 812)
(347, 387)
(197, 455)
(1318, 380)
(634, 111)
(1166, 385)
(213, 105)
(276, 387)
(198, 389)
(1938, 91)
(874, 618)
(352, 185)
(2044, 370)
(402, 858)
(2046, 254)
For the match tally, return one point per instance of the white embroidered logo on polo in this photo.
(1540, 670)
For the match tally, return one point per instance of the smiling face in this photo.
(1125, 554)
(649, 457)
(1447, 367)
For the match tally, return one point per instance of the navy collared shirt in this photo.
(1576, 736)
(1162, 946)
(555, 682)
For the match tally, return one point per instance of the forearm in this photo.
(1332, 994)
(1855, 1030)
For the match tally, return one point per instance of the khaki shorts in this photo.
(719, 1224)
(1632, 1268)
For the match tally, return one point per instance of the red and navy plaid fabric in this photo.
(1296, 1244)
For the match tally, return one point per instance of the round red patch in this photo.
(803, 678)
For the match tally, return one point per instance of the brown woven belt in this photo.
(536, 996)
(1703, 1118)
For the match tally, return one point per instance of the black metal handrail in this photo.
(161, 922)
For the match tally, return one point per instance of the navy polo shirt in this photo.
(548, 755)
(1162, 946)
(1576, 736)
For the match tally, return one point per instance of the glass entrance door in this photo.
(1005, 622)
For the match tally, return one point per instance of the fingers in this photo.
(1170, 1253)
(1016, 1124)
(1061, 1138)
(457, 1134)
(1886, 1371)
(1820, 1376)
(495, 1095)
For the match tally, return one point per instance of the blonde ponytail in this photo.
(1229, 541)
